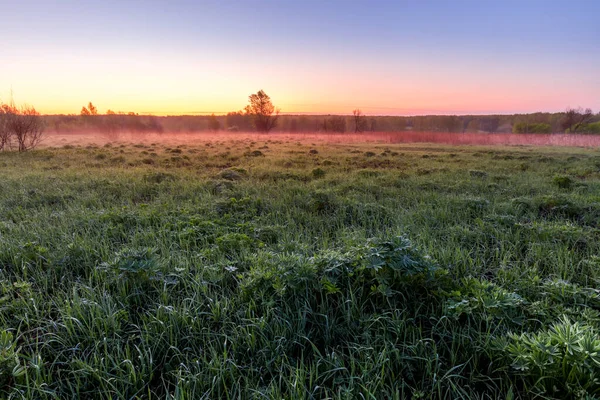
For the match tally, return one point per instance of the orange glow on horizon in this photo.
(178, 85)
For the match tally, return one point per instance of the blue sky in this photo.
(401, 57)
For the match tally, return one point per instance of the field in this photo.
(269, 268)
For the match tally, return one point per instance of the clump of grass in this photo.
(159, 177)
(318, 173)
(231, 175)
(477, 174)
(563, 181)
(255, 153)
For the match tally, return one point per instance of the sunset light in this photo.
(205, 57)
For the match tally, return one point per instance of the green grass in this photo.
(300, 271)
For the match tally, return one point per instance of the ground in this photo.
(298, 267)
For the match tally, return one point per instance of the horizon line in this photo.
(291, 113)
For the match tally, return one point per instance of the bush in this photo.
(230, 175)
(139, 263)
(565, 357)
(524, 127)
(590, 128)
(8, 357)
(563, 181)
(318, 173)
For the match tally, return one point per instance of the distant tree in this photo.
(466, 121)
(373, 124)
(5, 134)
(307, 124)
(473, 126)
(263, 112)
(489, 123)
(24, 125)
(90, 110)
(213, 123)
(334, 123)
(238, 120)
(110, 112)
(574, 118)
(359, 120)
(294, 125)
(449, 123)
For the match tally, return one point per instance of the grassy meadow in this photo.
(266, 269)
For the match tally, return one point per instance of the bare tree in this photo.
(574, 118)
(5, 134)
(25, 126)
(359, 121)
(263, 111)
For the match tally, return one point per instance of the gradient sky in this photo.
(387, 57)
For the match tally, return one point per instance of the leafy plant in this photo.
(563, 360)
(138, 263)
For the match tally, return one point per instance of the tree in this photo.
(5, 134)
(262, 111)
(24, 125)
(574, 118)
(213, 123)
(334, 123)
(448, 123)
(90, 110)
(237, 120)
(489, 123)
(359, 121)
(373, 124)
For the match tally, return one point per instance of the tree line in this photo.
(22, 128)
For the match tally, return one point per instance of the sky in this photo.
(403, 57)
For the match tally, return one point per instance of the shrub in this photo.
(159, 177)
(318, 173)
(477, 174)
(323, 202)
(137, 263)
(8, 357)
(590, 128)
(230, 175)
(255, 153)
(563, 181)
(565, 357)
(524, 127)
